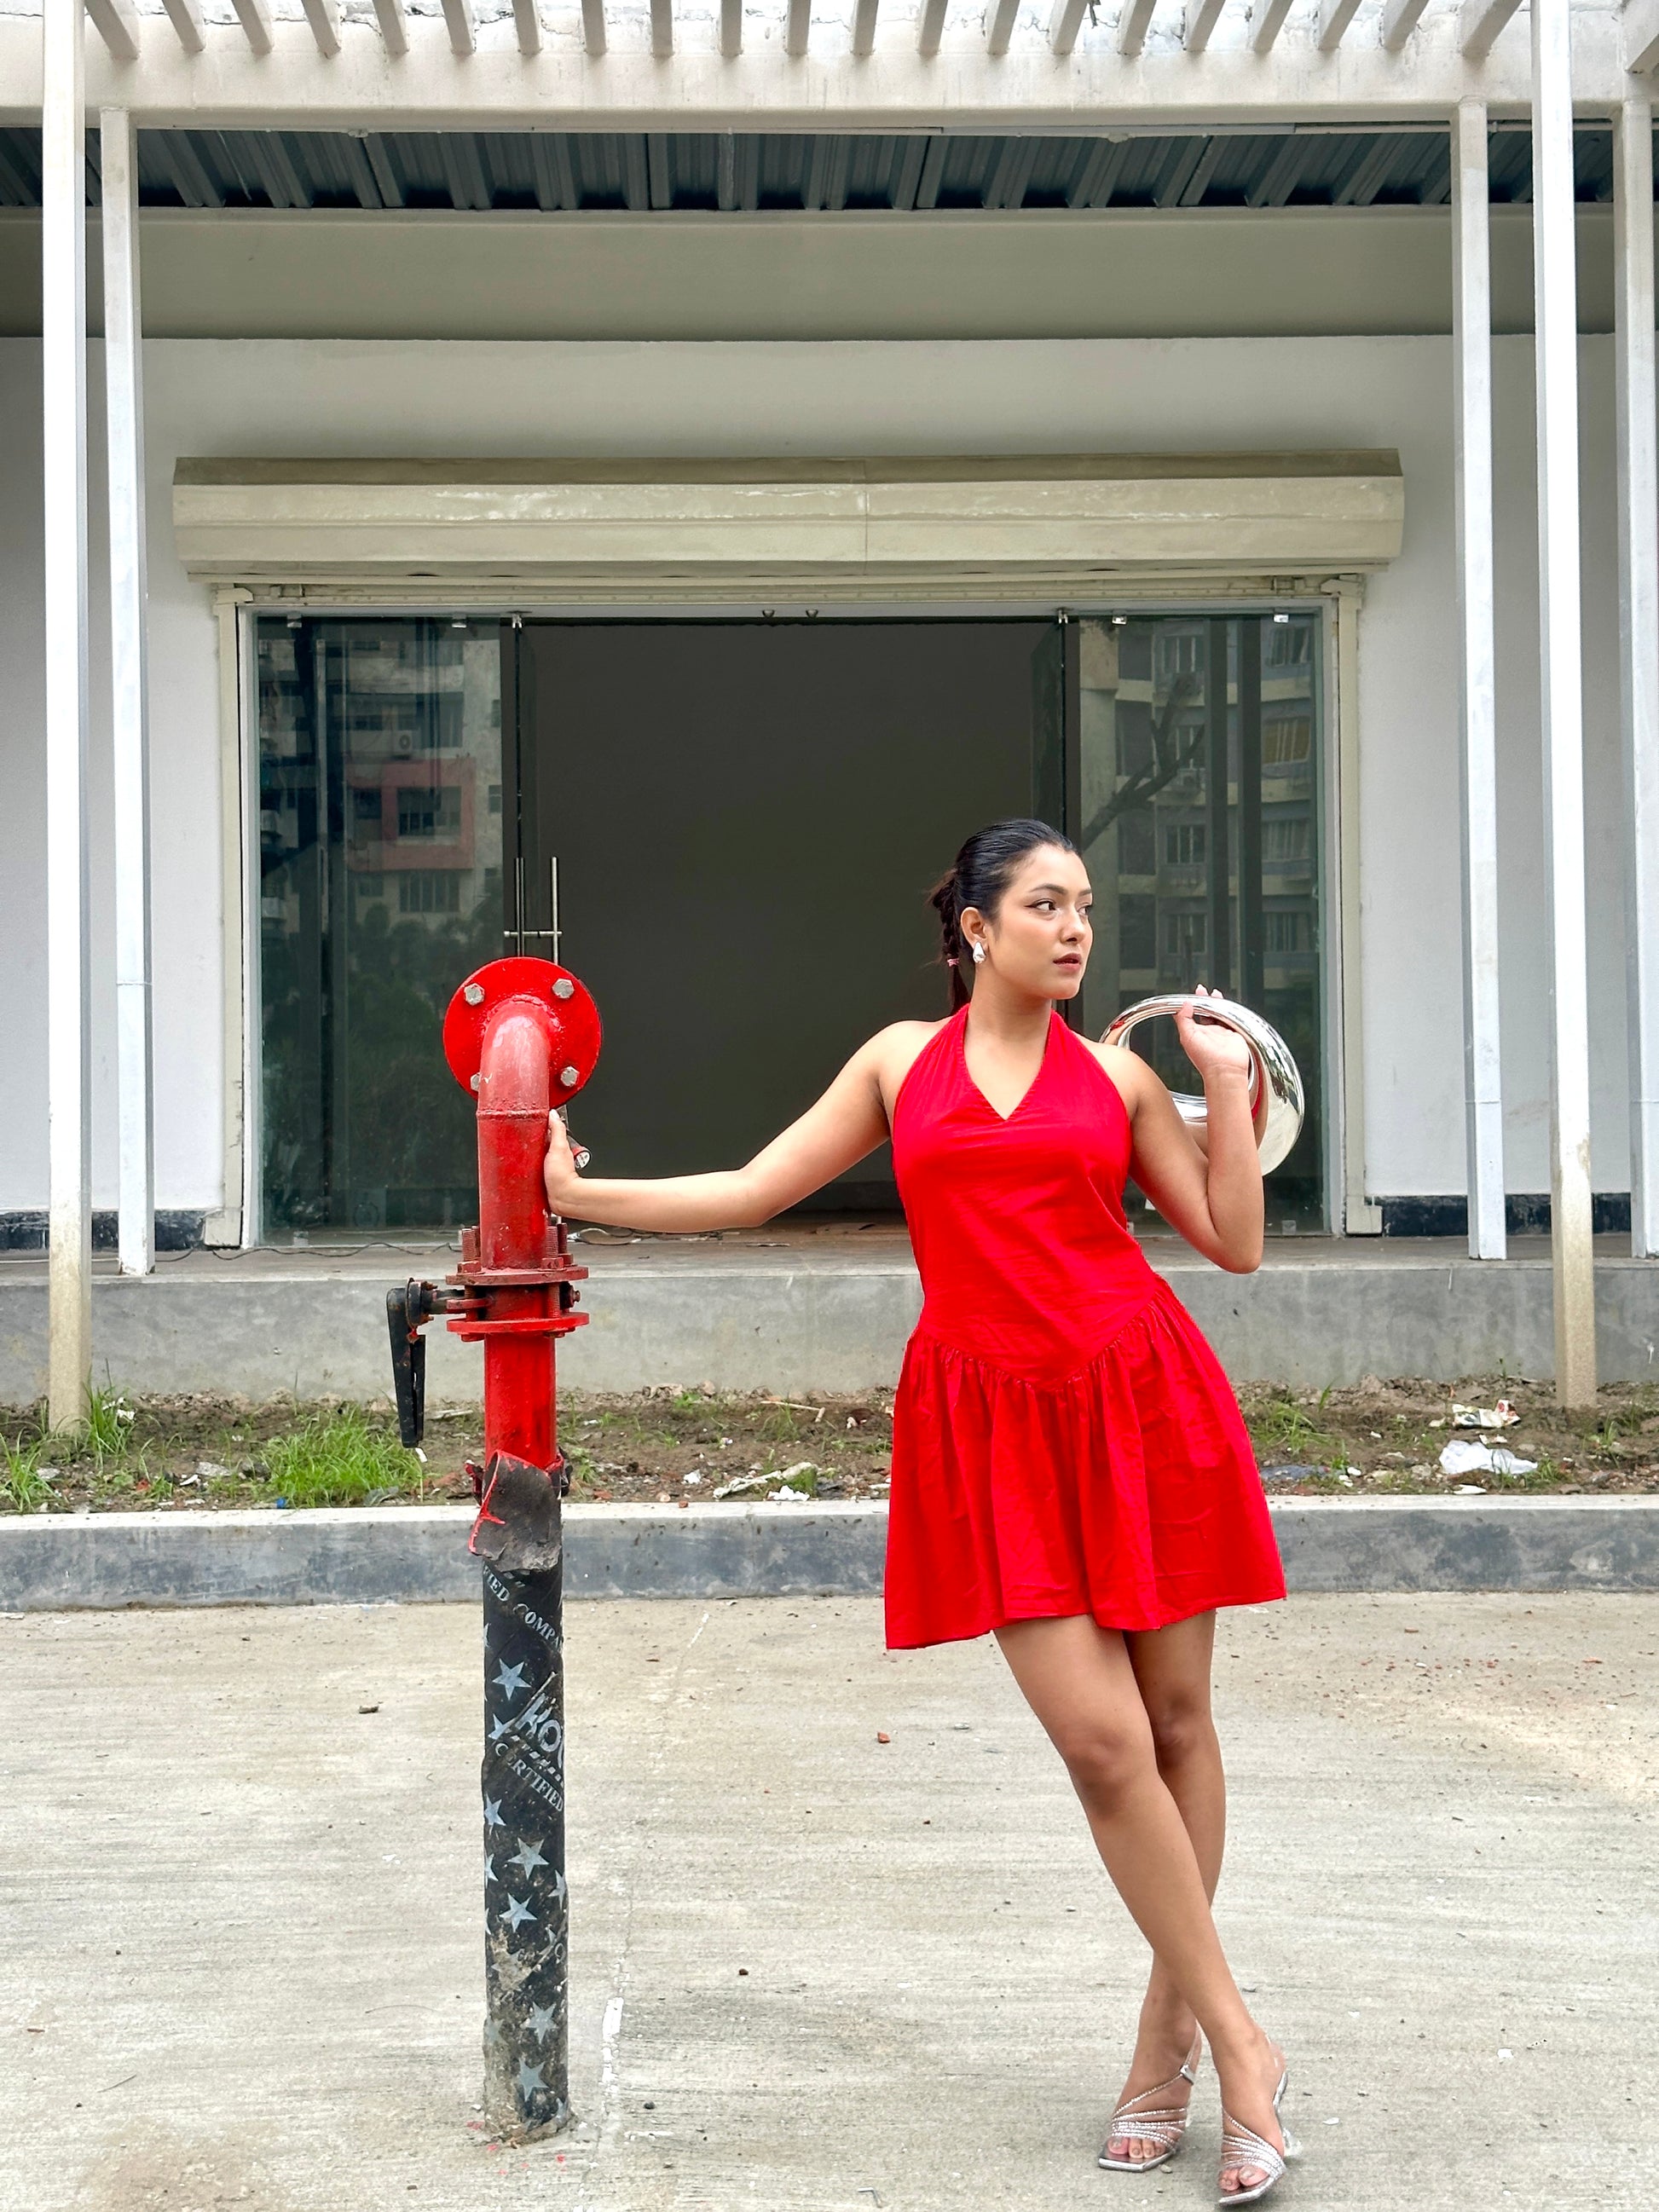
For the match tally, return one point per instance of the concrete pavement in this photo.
(239, 1929)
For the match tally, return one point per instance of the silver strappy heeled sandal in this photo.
(1137, 2121)
(1242, 2147)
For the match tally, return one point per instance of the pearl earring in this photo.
(979, 956)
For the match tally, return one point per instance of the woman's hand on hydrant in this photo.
(559, 1173)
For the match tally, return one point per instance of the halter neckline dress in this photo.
(1063, 1440)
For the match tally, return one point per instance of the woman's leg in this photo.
(1172, 1672)
(1078, 1681)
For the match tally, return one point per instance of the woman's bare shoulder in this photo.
(1127, 1070)
(892, 1052)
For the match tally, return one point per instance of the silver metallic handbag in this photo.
(1276, 1101)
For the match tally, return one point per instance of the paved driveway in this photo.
(239, 1934)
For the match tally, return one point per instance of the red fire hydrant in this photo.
(524, 1035)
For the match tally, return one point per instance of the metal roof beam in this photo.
(1479, 21)
(1334, 17)
(389, 15)
(463, 31)
(864, 27)
(1280, 181)
(254, 16)
(117, 26)
(1640, 26)
(1201, 20)
(1271, 22)
(1092, 187)
(1399, 19)
(1368, 175)
(1001, 26)
(528, 25)
(324, 18)
(1134, 20)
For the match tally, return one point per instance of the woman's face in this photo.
(1040, 939)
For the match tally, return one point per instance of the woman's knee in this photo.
(1180, 1726)
(1105, 1760)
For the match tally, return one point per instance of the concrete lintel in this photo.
(390, 1554)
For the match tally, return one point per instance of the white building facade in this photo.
(665, 474)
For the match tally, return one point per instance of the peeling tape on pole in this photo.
(527, 1906)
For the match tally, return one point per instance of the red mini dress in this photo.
(1063, 1439)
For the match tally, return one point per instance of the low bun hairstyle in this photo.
(984, 868)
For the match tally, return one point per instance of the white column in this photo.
(1638, 645)
(1483, 1078)
(63, 349)
(1555, 313)
(130, 718)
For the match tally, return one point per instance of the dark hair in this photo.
(984, 869)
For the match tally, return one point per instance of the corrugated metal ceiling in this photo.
(597, 171)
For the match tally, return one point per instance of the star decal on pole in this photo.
(529, 1856)
(530, 2077)
(511, 1678)
(492, 1813)
(539, 2020)
(516, 1913)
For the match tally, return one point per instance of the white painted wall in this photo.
(328, 397)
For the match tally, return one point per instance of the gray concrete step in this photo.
(790, 1315)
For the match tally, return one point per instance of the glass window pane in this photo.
(1200, 808)
(380, 888)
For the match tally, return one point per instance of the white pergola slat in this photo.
(394, 31)
(930, 26)
(1000, 30)
(1201, 20)
(798, 27)
(1334, 17)
(1269, 23)
(594, 39)
(528, 25)
(1064, 23)
(1133, 24)
(117, 26)
(255, 18)
(1399, 19)
(187, 18)
(1479, 21)
(864, 27)
(1639, 24)
(662, 29)
(462, 28)
(324, 17)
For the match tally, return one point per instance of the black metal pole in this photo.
(527, 1906)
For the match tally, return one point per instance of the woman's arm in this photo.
(848, 1123)
(1211, 1193)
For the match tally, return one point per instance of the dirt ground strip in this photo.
(699, 1444)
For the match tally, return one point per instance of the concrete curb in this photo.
(372, 1555)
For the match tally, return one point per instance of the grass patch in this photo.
(23, 1489)
(1286, 1430)
(341, 1456)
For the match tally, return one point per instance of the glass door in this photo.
(1196, 794)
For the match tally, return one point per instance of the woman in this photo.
(1070, 1469)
